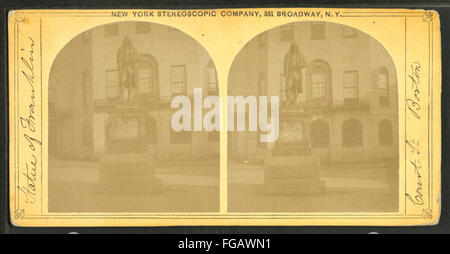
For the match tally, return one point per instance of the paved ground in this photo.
(350, 188)
(74, 187)
(194, 187)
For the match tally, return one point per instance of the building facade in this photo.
(349, 89)
(84, 89)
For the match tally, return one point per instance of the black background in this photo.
(443, 8)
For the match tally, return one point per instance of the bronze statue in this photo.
(126, 59)
(294, 62)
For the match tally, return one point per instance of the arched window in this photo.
(352, 133)
(151, 130)
(211, 78)
(385, 136)
(320, 134)
(86, 133)
(147, 78)
(383, 86)
(318, 82)
(144, 77)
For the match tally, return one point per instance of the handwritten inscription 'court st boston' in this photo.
(415, 193)
(28, 129)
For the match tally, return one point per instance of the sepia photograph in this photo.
(338, 144)
(111, 145)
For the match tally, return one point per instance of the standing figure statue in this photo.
(126, 59)
(294, 62)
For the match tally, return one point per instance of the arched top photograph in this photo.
(110, 93)
(338, 115)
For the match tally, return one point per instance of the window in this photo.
(111, 30)
(144, 78)
(319, 82)
(349, 32)
(385, 136)
(383, 86)
(317, 31)
(87, 88)
(350, 87)
(211, 78)
(352, 133)
(287, 33)
(181, 137)
(178, 79)
(151, 130)
(112, 84)
(320, 134)
(214, 136)
(143, 27)
(86, 134)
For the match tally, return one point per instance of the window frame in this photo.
(151, 78)
(210, 68)
(383, 100)
(355, 88)
(107, 86)
(172, 82)
(324, 86)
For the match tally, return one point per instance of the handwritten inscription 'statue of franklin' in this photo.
(28, 124)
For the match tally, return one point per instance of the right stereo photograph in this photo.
(336, 144)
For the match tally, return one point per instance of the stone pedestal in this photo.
(127, 167)
(291, 169)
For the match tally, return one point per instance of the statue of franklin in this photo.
(126, 60)
(294, 62)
